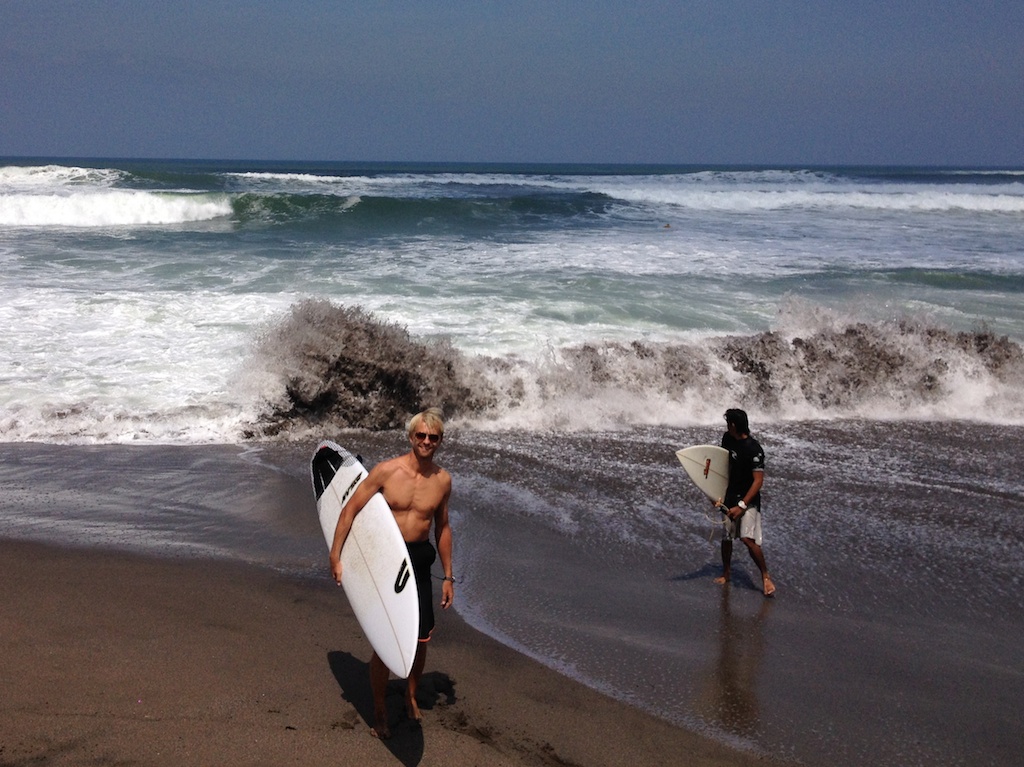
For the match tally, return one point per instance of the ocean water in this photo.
(153, 301)
(578, 324)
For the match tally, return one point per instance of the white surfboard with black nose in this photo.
(376, 571)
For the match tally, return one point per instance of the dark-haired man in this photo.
(742, 502)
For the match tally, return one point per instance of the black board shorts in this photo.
(422, 556)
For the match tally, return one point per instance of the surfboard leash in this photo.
(721, 508)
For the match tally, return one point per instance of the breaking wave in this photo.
(57, 195)
(339, 367)
(71, 196)
(110, 208)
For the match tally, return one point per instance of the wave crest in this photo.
(110, 208)
(46, 177)
(905, 367)
(340, 367)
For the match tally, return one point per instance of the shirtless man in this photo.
(742, 502)
(417, 490)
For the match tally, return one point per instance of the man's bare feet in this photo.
(769, 587)
(722, 579)
(380, 728)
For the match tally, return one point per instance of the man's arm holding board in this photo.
(373, 484)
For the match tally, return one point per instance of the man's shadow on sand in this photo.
(406, 741)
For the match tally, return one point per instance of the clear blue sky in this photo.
(934, 82)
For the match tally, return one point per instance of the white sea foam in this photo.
(763, 190)
(48, 177)
(156, 367)
(816, 195)
(114, 208)
(400, 185)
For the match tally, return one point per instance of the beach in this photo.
(118, 658)
(113, 658)
(171, 605)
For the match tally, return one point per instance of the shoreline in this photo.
(118, 657)
(170, 604)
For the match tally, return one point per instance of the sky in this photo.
(761, 82)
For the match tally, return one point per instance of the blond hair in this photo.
(432, 418)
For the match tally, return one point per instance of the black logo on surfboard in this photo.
(350, 488)
(403, 577)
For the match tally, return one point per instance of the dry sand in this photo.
(108, 658)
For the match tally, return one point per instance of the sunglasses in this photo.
(422, 435)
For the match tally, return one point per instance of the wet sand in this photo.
(170, 605)
(113, 658)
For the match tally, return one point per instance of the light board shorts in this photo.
(747, 526)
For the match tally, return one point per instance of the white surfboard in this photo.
(708, 467)
(376, 572)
